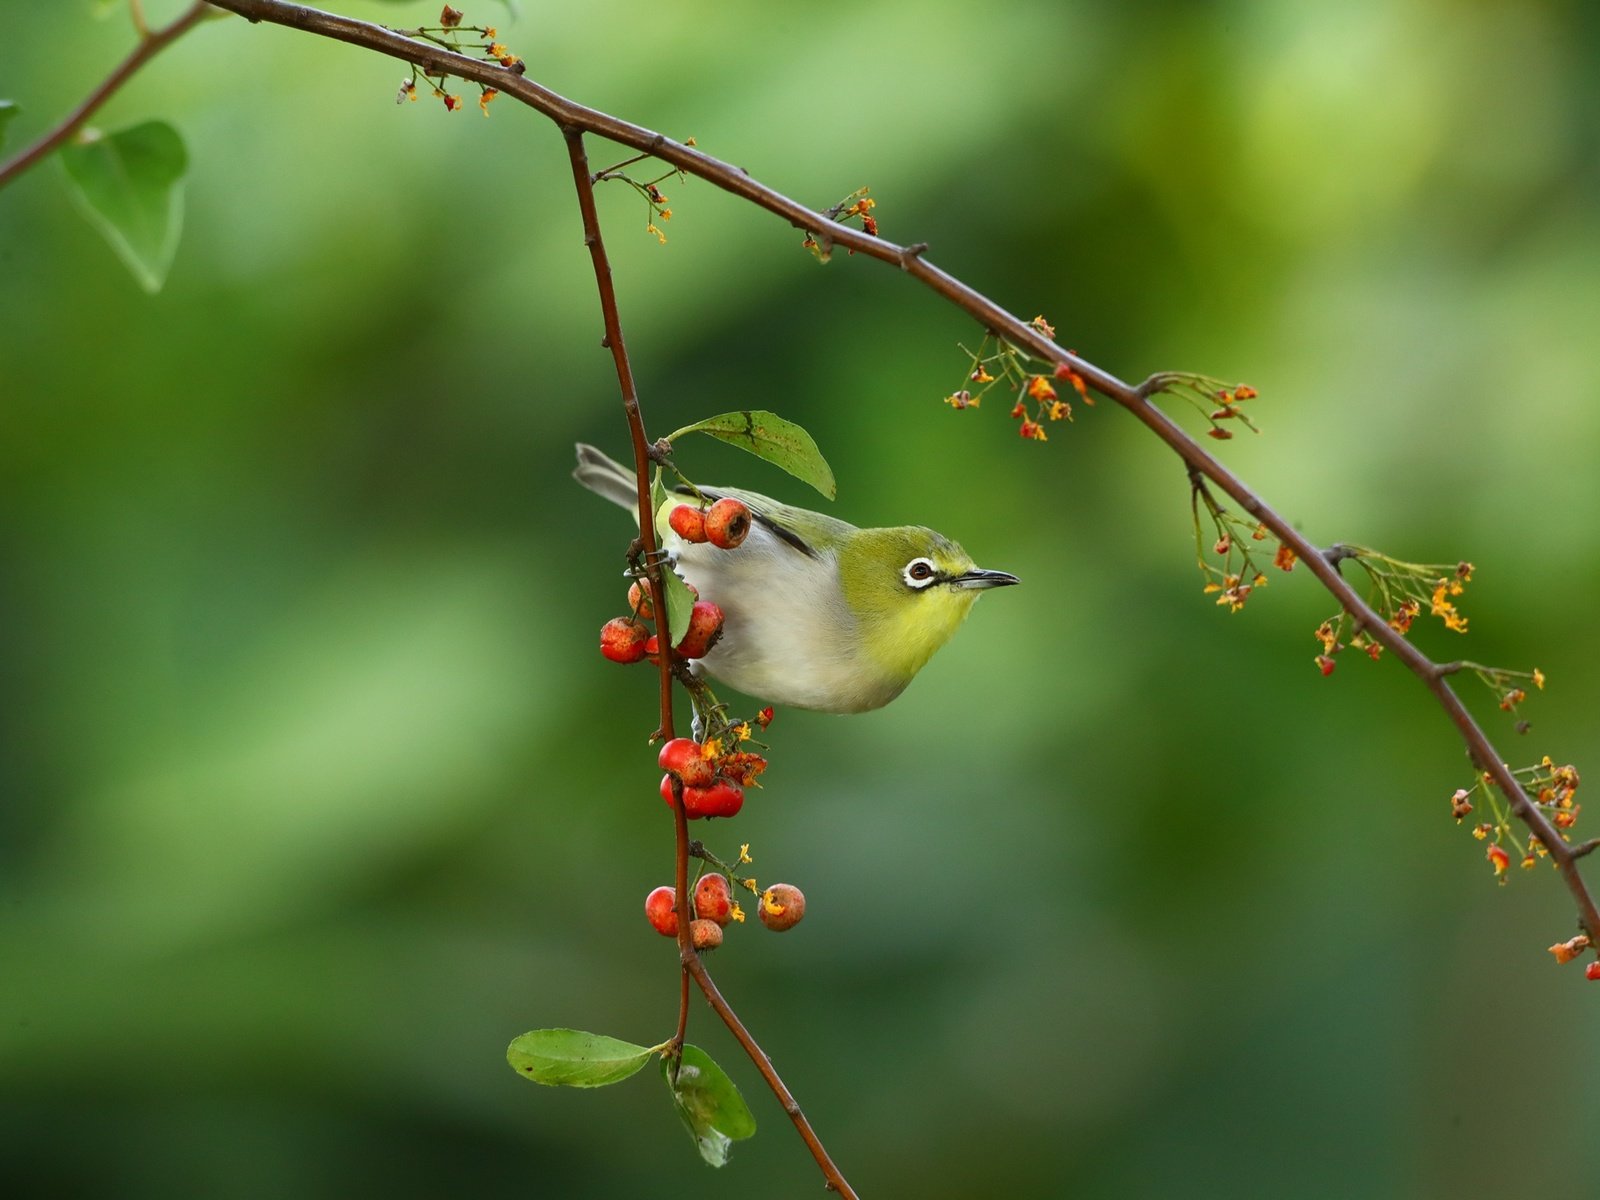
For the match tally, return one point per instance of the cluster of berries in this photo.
(628, 639)
(713, 782)
(781, 907)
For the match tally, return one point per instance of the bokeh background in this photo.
(313, 789)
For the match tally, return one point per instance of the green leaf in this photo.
(710, 1105)
(573, 1058)
(129, 185)
(8, 109)
(680, 605)
(769, 436)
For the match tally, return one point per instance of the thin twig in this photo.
(150, 45)
(688, 958)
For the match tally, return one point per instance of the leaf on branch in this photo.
(129, 185)
(680, 605)
(573, 1058)
(767, 435)
(711, 1107)
(8, 109)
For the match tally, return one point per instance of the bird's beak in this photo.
(977, 578)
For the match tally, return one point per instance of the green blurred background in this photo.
(315, 791)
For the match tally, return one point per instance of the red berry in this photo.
(652, 648)
(683, 758)
(622, 639)
(688, 522)
(1592, 971)
(659, 910)
(705, 627)
(721, 799)
(790, 903)
(727, 523)
(711, 899)
(707, 935)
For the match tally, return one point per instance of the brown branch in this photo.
(690, 961)
(150, 45)
(1324, 564)
(836, 1181)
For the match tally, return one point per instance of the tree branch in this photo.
(570, 116)
(150, 45)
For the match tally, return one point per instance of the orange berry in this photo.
(782, 905)
(721, 799)
(707, 935)
(727, 523)
(705, 627)
(683, 758)
(688, 522)
(660, 909)
(1592, 971)
(712, 900)
(624, 640)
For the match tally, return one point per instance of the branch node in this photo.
(1337, 553)
(1584, 848)
(911, 253)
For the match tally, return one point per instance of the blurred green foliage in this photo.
(314, 792)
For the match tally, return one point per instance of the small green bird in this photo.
(816, 613)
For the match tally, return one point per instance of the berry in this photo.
(711, 899)
(721, 799)
(1592, 971)
(639, 598)
(790, 903)
(652, 649)
(705, 627)
(727, 522)
(688, 522)
(682, 757)
(622, 639)
(659, 910)
(707, 935)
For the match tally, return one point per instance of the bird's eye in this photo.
(919, 573)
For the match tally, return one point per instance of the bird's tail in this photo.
(605, 476)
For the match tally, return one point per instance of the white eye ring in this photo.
(919, 573)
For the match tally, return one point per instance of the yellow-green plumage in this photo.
(817, 613)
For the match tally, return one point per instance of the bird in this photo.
(817, 613)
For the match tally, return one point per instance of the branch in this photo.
(689, 959)
(150, 45)
(570, 117)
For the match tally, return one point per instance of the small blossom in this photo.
(735, 911)
(1325, 664)
(1566, 818)
(666, 214)
(869, 225)
(1032, 430)
(764, 717)
(451, 103)
(486, 99)
(450, 17)
(744, 853)
(1498, 859)
(1222, 435)
(961, 399)
(1245, 392)
(1538, 679)
(1039, 388)
(1566, 951)
(1404, 615)
(1044, 327)
(1512, 698)
(1460, 804)
(1284, 559)
(1482, 831)
(1017, 410)
(981, 374)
